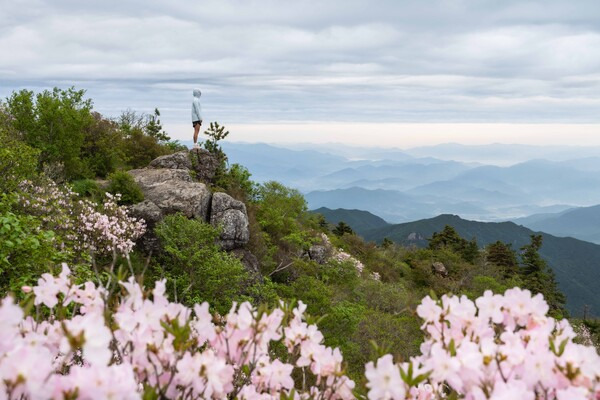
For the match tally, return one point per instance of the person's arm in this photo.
(198, 110)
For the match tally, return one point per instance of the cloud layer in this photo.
(337, 60)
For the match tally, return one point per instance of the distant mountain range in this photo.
(576, 263)
(406, 185)
(581, 223)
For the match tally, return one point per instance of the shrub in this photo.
(26, 250)
(18, 161)
(122, 183)
(195, 267)
(53, 122)
(87, 188)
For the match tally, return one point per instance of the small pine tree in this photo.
(502, 255)
(450, 239)
(538, 278)
(342, 228)
(154, 127)
(387, 243)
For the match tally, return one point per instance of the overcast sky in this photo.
(306, 70)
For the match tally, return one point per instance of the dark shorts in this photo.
(196, 123)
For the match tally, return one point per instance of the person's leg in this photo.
(196, 131)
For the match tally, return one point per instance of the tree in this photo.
(503, 256)
(18, 161)
(538, 278)
(450, 239)
(387, 243)
(53, 122)
(216, 133)
(342, 228)
(154, 127)
(196, 268)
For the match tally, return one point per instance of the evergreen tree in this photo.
(342, 228)
(450, 239)
(502, 255)
(538, 278)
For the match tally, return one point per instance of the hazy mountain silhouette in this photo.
(581, 223)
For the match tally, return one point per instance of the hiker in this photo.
(196, 115)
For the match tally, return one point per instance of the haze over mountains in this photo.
(486, 183)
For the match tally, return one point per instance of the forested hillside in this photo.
(574, 262)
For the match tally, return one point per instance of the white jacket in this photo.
(196, 108)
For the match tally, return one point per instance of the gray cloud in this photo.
(343, 60)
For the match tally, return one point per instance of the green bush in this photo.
(196, 268)
(18, 161)
(121, 182)
(53, 122)
(87, 188)
(26, 250)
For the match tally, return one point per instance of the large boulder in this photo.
(179, 160)
(439, 268)
(148, 211)
(231, 216)
(204, 164)
(319, 253)
(152, 215)
(173, 190)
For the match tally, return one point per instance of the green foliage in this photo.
(121, 182)
(387, 243)
(154, 127)
(281, 209)
(53, 122)
(196, 269)
(88, 188)
(236, 181)
(26, 250)
(450, 239)
(18, 161)
(216, 133)
(502, 255)
(140, 148)
(103, 149)
(76, 142)
(538, 278)
(342, 228)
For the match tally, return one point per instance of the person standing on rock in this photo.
(196, 115)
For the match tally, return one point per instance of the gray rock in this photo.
(415, 236)
(179, 160)
(319, 253)
(249, 261)
(439, 268)
(204, 164)
(147, 178)
(172, 190)
(231, 216)
(148, 211)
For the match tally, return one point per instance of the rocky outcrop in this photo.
(203, 164)
(230, 215)
(148, 211)
(178, 183)
(439, 268)
(173, 190)
(319, 253)
(179, 160)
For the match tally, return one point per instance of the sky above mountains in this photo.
(310, 70)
